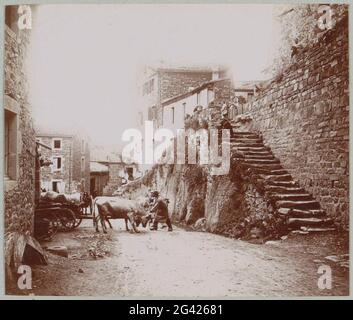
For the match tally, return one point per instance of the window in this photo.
(173, 115)
(83, 146)
(82, 163)
(148, 87)
(57, 144)
(210, 96)
(130, 173)
(55, 186)
(57, 163)
(10, 145)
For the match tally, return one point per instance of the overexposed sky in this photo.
(84, 60)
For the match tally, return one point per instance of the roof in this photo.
(42, 131)
(54, 135)
(98, 167)
(177, 66)
(185, 69)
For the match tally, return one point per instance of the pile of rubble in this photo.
(95, 246)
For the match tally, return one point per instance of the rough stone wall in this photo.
(173, 84)
(19, 195)
(114, 181)
(223, 91)
(304, 117)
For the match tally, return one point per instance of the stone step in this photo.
(248, 137)
(309, 222)
(258, 161)
(287, 190)
(253, 149)
(267, 172)
(261, 161)
(274, 166)
(296, 213)
(258, 153)
(306, 205)
(244, 133)
(260, 156)
(292, 197)
(282, 183)
(278, 172)
(317, 230)
(248, 144)
(246, 140)
(280, 177)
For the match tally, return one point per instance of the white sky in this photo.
(84, 59)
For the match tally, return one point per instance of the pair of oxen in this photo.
(133, 211)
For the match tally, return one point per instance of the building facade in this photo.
(19, 135)
(218, 92)
(108, 176)
(161, 84)
(70, 158)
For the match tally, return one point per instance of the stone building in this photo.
(19, 137)
(160, 84)
(219, 92)
(108, 176)
(109, 172)
(70, 157)
(99, 176)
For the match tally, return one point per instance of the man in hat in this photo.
(160, 207)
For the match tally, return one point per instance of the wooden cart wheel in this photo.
(78, 221)
(68, 219)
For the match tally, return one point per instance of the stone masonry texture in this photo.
(303, 116)
(19, 198)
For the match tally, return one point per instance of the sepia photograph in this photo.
(175, 151)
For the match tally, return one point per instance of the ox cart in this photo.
(53, 214)
(51, 217)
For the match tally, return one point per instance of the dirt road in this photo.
(184, 264)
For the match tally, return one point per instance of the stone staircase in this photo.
(303, 213)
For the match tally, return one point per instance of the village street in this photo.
(184, 264)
